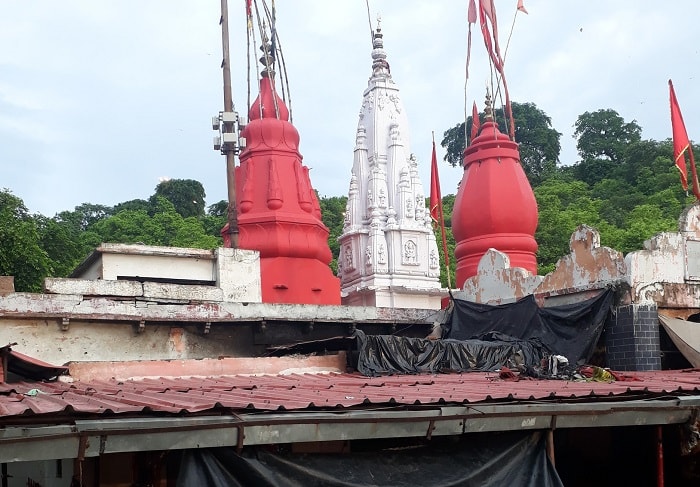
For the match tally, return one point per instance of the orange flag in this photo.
(476, 123)
(521, 7)
(681, 145)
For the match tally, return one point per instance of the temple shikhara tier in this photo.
(388, 255)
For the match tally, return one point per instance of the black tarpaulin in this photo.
(487, 460)
(388, 354)
(569, 330)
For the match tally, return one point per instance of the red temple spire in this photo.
(278, 212)
(495, 206)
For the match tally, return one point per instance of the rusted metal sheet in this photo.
(303, 391)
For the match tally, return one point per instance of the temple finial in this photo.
(380, 66)
(267, 59)
(488, 110)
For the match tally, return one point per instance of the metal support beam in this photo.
(86, 438)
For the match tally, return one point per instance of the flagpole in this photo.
(436, 207)
(693, 171)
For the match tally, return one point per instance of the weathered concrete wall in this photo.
(496, 282)
(237, 279)
(667, 271)
(238, 275)
(89, 287)
(670, 295)
(59, 306)
(586, 266)
(111, 341)
(586, 269)
(661, 261)
(122, 370)
(111, 261)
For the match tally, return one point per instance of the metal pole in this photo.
(228, 127)
(550, 446)
(660, 456)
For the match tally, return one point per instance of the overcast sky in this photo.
(100, 99)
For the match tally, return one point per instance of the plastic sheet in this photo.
(388, 354)
(488, 460)
(570, 330)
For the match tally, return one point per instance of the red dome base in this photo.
(298, 281)
(520, 248)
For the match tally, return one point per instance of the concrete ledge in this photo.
(44, 306)
(93, 371)
(86, 287)
(181, 292)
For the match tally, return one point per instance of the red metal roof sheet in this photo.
(289, 392)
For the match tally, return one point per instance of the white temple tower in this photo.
(388, 255)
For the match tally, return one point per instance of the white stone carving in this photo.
(434, 260)
(387, 225)
(410, 253)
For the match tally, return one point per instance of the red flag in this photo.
(471, 13)
(436, 208)
(681, 145)
(487, 13)
(521, 7)
(476, 123)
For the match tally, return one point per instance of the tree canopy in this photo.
(21, 254)
(538, 142)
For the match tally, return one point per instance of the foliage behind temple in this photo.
(626, 187)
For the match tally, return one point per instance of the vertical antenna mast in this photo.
(228, 127)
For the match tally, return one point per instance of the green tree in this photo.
(62, 243)
(562, 207)
(187, 196)
(84, 216)
(538, 142)
(448, 202)
(21, 254)
(220, 208)
(133, 205)
(165, 227)
(604, 134)
(333, 216)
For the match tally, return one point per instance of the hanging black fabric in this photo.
(486, 459)
(388, 354)
(570, 330)
(481, 337)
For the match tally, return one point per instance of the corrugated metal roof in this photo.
(303, 391)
